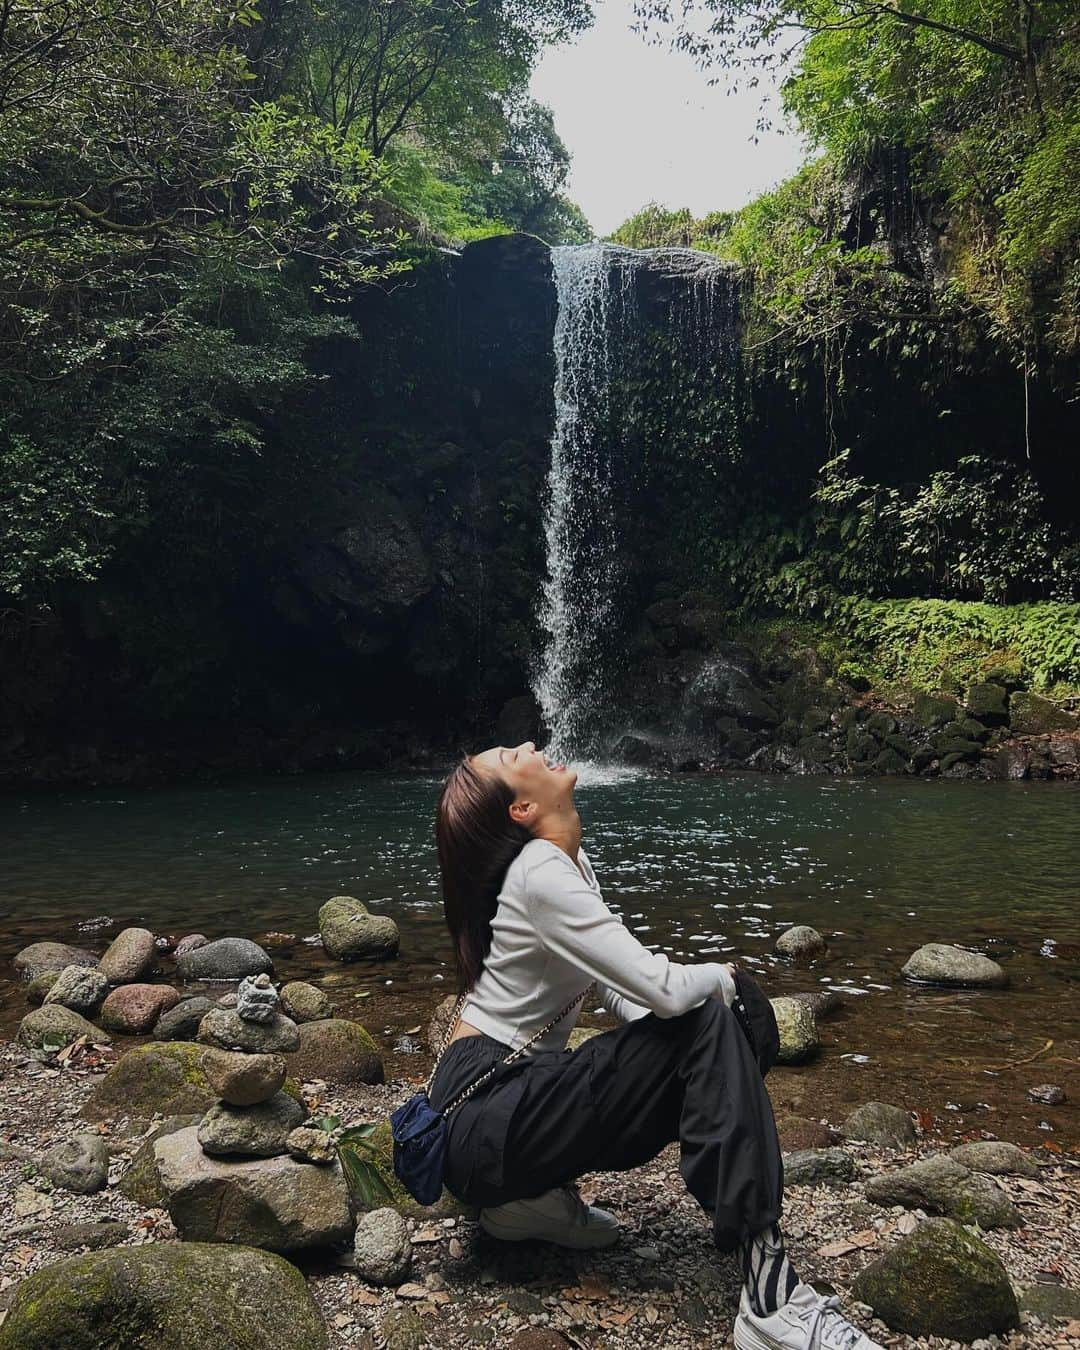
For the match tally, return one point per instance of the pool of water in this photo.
(702, 868)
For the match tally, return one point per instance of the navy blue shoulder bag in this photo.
(420, 1131)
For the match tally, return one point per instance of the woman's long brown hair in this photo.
(477, 842)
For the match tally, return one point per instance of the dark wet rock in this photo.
(181, 1023)
(382, 1247)
(134, 1008)
(798, 1133)
(37, 991)
(228, 958)
(890, 761)
(1064, 750)
(640, 752)
(225, 1028)
(257, 999)
(941, 1186)
(818, 1167)
(880, 1124)
(725, 686)
(350, 931)
(801, 943)
(250, 1131)
(190, 943)
(276, 1203)
(940, 1280)
(79, 1164)
(995, 1157)
(80, 988)
(1013, 762)
(305, 1002)
(879, 725)
(932, 710)
(942, 963)
(1051, 1302)
(798, 1030)
(1032, 715)
(41, 957)
(140, 1181)
(162, 1078)
(337, 1051)
(821, 1002)
(1047, 1093)
(988, 703)
(130, 957)
(53, 1026)
(95, 1236)
(242, 1079)
(165, 1296)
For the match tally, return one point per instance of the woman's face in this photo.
(541, 787)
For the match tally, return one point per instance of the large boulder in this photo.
(225, 1028)
(243, 1080)
(942, 1186)
(940, 1280)
(797, 1025)
(250, 1131)
(337, 1051)
(130, 957)
(801, 943)
(41, 957)
(140, 1181)
(165, 1296)
(1030, 715)
(988, 702)
(305, 1002)
(53, 1026)
(80, 988)
(997, 1158)
(275, 1203)
(134, 1008)
(162, 1078)
(226, 959)
(349, 930)
(942, 963)
(79, 1164)
(725, 687)
(181, 1023)
(880, 1124)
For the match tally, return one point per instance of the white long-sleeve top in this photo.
(552, 935)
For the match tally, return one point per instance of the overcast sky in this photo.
(643, 125)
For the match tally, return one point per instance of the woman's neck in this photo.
(563, 829)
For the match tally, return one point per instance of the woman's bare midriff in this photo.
(464, 1029)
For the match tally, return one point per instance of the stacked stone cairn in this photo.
(244, 1065)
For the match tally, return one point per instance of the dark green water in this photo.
(699, 867)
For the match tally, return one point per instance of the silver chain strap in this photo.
(510, 1058)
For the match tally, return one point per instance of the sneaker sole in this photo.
(578, 1240)
(749, 1338)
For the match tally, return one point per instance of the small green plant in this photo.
(360, 1163)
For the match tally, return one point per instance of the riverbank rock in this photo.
(226, 959)
(942, 1186)
(349, 930)
(134, 1008)
(305, 1002)
(1049, 1094)
(41, 957)
(243, 1080)
(942, 963)
(997, 1158)
(1049, 1302)
(880, 1124)
(80, 988)
(798, 1030)
(162, 1078)
(140, 1181)
(800, 943)
(189, 943)
(337, 1051)
(276, 1203)
(257, 999)
(181, 1023)
(250, 1131)
(382, 1247)
(940, 1281)
(1030, 715)
(52, 1026)
(165, 1296)
(130, 957)
(988, 702)
(79, 1164)
(39, 988)
(225, 1028)
(818, 1167)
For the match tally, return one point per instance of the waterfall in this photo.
(599, 330)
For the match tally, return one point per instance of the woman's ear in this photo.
(522, 812)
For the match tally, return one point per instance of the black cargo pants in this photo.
(614, 1104)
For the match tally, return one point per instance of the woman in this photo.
(531, 934)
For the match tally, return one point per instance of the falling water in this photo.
(598, 321)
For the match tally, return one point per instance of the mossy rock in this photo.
(40, 987)
(934, 710)
(988, 702)
(879, 725)
(1030, 715)
(337, 1051)
(860, 746)
(162, 1078)
(966, 728)
(958, 746)
(349, 930)
(381, 1143)
(940, 1281)
(166, 1296)
(140, 1181)
(53, 1026)
(890, 762)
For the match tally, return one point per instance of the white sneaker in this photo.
(807, 1321)
(559, 1216)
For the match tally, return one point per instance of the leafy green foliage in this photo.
(361, 1164)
